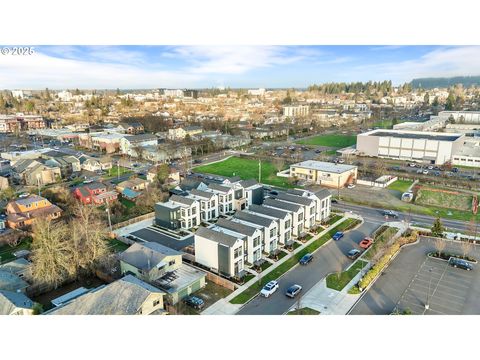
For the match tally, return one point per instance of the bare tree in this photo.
(51, 252)
(278, 163)
(466, 247)
(440, 245)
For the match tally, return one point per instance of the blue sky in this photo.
(59, 67)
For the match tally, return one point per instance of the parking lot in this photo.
(413, 280)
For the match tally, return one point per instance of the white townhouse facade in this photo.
(225, 197)
(208, 204)
(253, 238)
(268, 226)
(297, 212)
(189, 214)
(219, 251)
(283, 218)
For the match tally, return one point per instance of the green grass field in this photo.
(338, 281)
(331, 140)
(117, 171)
(400, 185)
(246, 169)
(459, 201)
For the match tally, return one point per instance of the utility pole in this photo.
(108, 214)
(338, 187)
(259, 170)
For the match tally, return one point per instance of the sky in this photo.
(144, 67)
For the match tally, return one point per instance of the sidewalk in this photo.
(329, 301)
(224, 307)
(332, 302)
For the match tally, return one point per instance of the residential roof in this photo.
(180, 278)
(30, 200)
(16, 266)
(129, 193)
(140, 138)
(251, 218)
(11, 300)
(182, 200)
(11, 282)
(219, 188)
(281, 205)
(324, 166)
(152, 234)
(217, 236)
(301, 200)
(249, 183)
(122, 297)
(201, 193)
(279, 214)
(237, 227)
(146, 256)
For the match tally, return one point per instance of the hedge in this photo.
(385, 259)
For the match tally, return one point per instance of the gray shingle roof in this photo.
(147, 255)
(248, 183)
(10, 300)
(294, 198)
(219, 188)
(217, 236)
(201, 193)
(182, 200)
(278, 204)
(268, 211)
(254, 219)
(237, 227)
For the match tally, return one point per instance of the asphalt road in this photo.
(407, 280)
(375, 215)
(330, 258)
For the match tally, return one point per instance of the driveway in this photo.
(331, 257)
(412, 275)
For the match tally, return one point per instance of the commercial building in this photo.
(299, 110)
(429, 147)
(332, 175)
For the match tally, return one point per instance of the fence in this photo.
(214, 278)
(374, 183)
(133, 220)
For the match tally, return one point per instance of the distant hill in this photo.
(430, 83)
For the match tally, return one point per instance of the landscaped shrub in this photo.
(385, 259)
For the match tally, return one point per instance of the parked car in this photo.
(436, 173)
(197, 161)
(455, 170)
(430, 167)
(338, 235)
(365, 243)
(419, 171)
(389, 213)
(351, 186)
(269, 288)
(293, 291)
(459, 263)
(412, 164)
(353, 254)
(306, 259)
(195, 302)
(334, 201)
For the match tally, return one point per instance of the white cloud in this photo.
(442, 62)
(40, 71)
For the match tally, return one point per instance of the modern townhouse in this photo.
(268, 226)
(220, 252)
(178, 212)
(297, 212)
(208, 204)
(283, 218)
(225, 197)
(316, 203)
(253, 243)
(308, 205)
(252, 193)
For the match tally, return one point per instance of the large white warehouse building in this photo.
(429, 147)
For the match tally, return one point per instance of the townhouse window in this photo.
(300, 217)
(287, 223)
(273, 232)
(256, 241)
(183, 212)
(230, 197)
(213, 203)
(237, 252)
(287, 236)
(238, 267)
(171, 263)
(194, 211)
(156, 303)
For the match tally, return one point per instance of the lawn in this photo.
(338, 281)
(117, 171)
(246, 169)
(444, 199)
(303, 311)
(276, 273)
(117, 245)
(6, 251)
(330, 140)
(400, 185)
(333, 219)
(128, 203)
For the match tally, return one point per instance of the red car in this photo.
(365, 243)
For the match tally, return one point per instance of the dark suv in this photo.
(195, 302)
(306, 259)
(459, 263)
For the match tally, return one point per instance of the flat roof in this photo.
(324, 166)
(414, 135)
(152, 235)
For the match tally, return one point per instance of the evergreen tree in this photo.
(437, 228)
